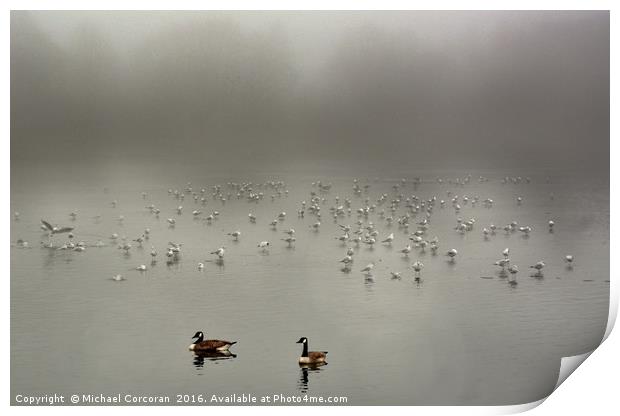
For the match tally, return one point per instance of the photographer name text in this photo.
(195, 399)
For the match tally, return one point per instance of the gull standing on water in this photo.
(370, 242)
(343, 238)
(417, 267)
(538, 266)
(220, 252)
(452, 254)
(125, 246)
(389, 239)
(347, 260)
(368, 268)
(502, 263)
(235, 234)
(513, 274)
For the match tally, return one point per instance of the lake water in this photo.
(462, 335)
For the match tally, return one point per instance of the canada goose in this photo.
(312, 357)
(202, 345)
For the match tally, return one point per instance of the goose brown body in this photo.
(202, 345)
(314, 357)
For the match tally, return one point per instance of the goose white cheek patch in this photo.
(364, 208)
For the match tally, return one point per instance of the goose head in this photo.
(302, 340)
(198, 336)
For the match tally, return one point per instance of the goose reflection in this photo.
(304, 370)
(200, 357)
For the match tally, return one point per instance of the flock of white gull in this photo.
(412, 214)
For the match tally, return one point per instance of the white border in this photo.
(591, 390)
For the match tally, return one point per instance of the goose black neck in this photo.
(305, 351)
(199, 340)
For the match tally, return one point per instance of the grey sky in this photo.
(470, 89)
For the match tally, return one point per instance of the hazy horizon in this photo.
(500, 89)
